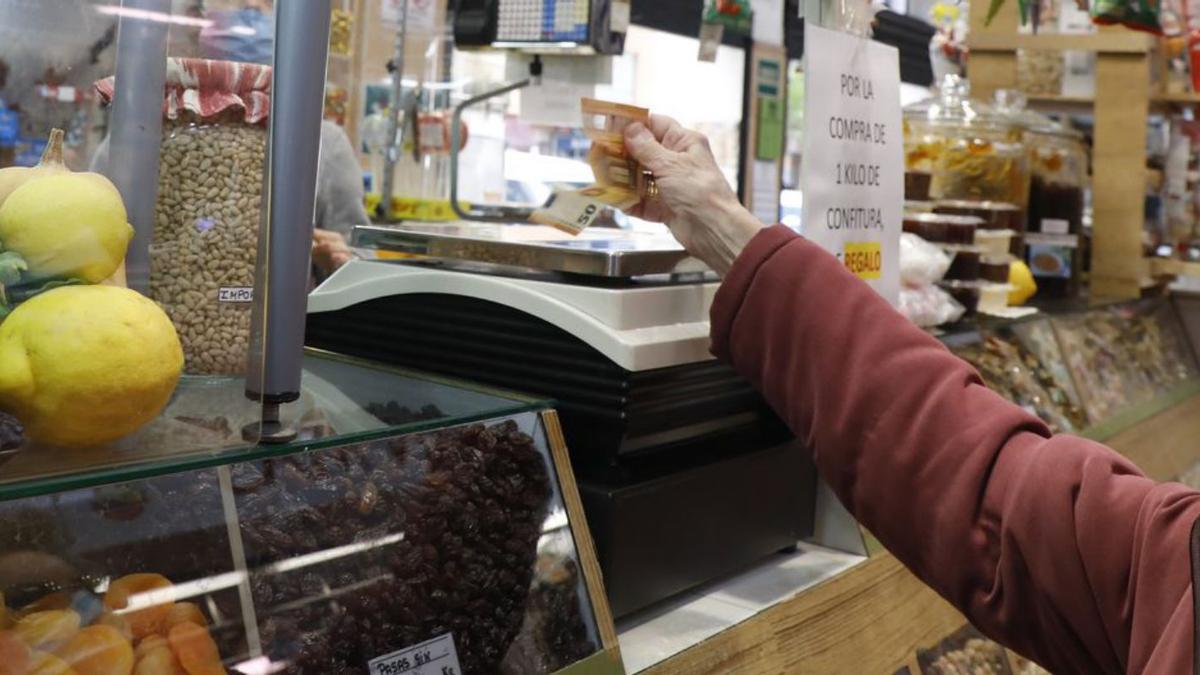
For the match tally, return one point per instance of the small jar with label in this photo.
(995, 268)
(1056, 193)
(964, 263)
(995, 215)
(942, 229)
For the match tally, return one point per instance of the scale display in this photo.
(543, 21)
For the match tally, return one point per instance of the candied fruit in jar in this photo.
(15, 655)
(98, 650)
(195, 649)
(148, 620)
(158, 661)
(49, 629)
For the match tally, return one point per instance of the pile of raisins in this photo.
(469, 503)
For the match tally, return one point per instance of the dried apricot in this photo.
(116, 621)
(43, 663)
(181, 612)
(49, 629)
(195, 649)
(58, 600)
(98, 650)
(159, 661)
(145, 621)
(6, 617)
(148, 644)
(14, 654)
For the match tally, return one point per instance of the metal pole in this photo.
(289, 200)
(136, 128)
(393, 149)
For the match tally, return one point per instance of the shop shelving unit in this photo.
(1124, 96)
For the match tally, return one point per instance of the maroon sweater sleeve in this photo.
(1055, 546)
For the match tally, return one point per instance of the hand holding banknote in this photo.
(694, 199)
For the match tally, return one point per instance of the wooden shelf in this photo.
(1184, 99)
(1061, 104)
(1161, 267)
(870, 619)
(1112, 42)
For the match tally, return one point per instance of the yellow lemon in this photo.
(86, 365)
(14, 177)
(1022, 282)
(66, 225)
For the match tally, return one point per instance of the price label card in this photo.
(235, 294)
(432, 657)
(853, 167)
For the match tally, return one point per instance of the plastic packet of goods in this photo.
(929, 306)
(621, 182)
(921, 263)
(1143, 15)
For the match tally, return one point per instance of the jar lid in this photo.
(207, 88)
(952, 106)
(947, 218)
(995, 234)
(1015, 105)
(962, 248)
(968, 205)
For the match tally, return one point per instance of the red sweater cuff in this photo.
(736, 284)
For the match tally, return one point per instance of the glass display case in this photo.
(411, 518)
(1019, 365)
(1079, 370)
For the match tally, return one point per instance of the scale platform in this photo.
(597, 252)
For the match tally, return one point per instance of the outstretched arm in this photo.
(1055, 546)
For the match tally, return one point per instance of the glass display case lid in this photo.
(342, 400)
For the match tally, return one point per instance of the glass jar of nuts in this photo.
(204, 250)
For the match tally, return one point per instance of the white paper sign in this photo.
(768, 21)
(765, 186)
(853, 166)
(432, 657)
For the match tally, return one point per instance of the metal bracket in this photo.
(485, 213)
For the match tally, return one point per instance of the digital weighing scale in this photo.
(685, 472)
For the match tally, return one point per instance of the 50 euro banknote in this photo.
(621, 182)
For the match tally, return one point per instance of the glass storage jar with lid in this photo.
(1058, 163)
(968, 150)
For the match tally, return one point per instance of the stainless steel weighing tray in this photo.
(596, 252)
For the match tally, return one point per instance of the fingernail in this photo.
(635, 129)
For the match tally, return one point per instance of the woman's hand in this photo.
(330, 251)
(694, 200)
